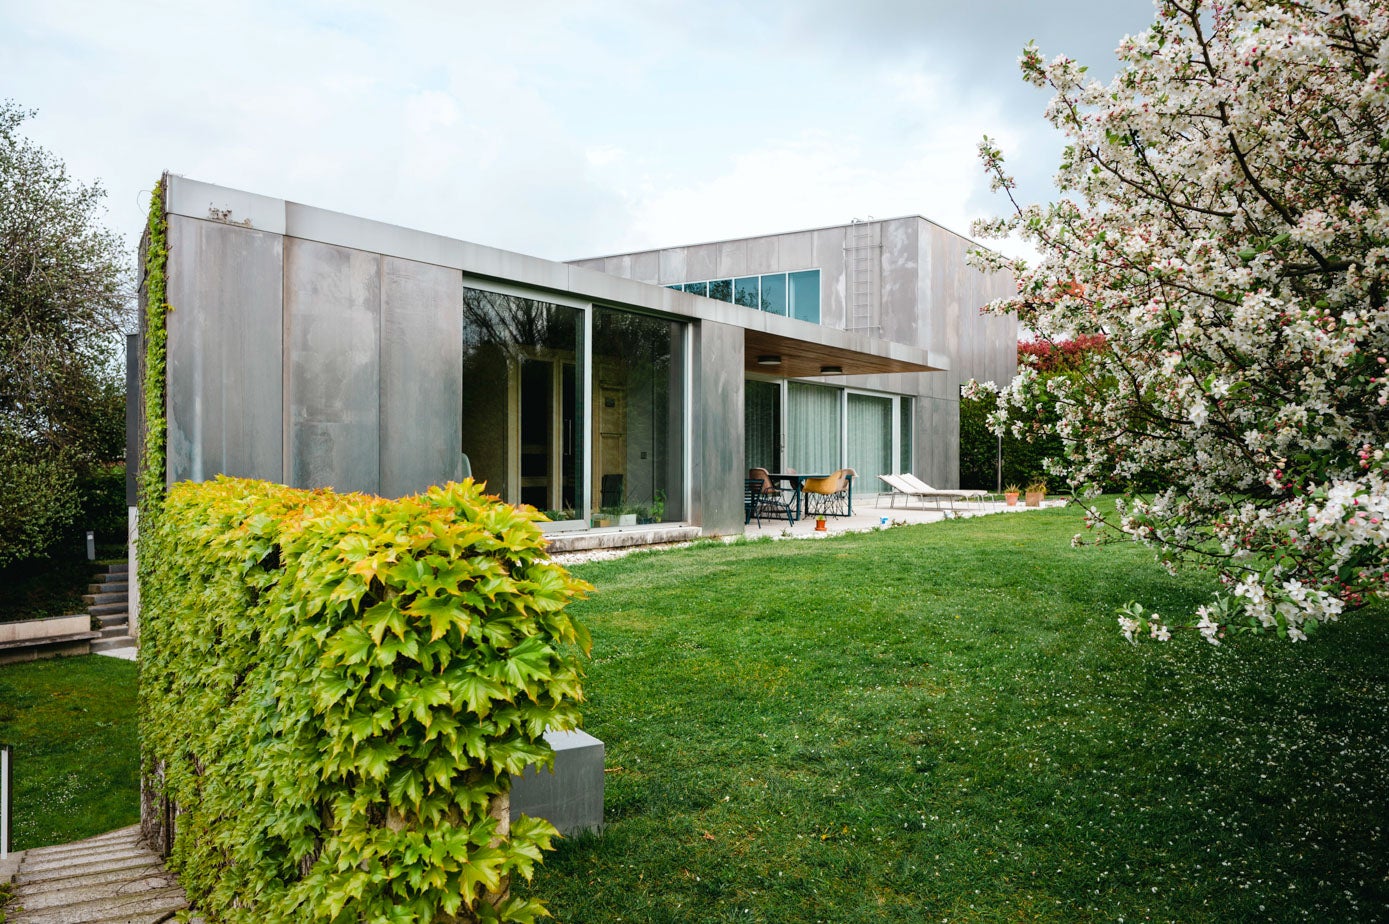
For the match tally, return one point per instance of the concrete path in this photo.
(109, 879)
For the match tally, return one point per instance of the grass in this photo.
(934, 723)
(943, 723)
(72, 724)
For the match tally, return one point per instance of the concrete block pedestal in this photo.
(570, 798)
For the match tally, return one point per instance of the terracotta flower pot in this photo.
(1034, 498)
(820, 525)
(1011, 497)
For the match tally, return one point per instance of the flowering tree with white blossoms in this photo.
(1225, 225)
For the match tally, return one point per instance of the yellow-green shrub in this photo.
(335, 689)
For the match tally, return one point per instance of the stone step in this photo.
(114, 619)
(107, 609)
(102, 598)
(149, 906)
(117, 874)
(112, 644)
(114, 851)
(115, 567)
(116, 631)
(129, 836)
(109, 878)
(109, 584)
(90, 888)
(78, 868)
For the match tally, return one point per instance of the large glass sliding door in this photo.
(523, 420)
(639, 416)
(814, 432)
(870, 440)
(762, 425)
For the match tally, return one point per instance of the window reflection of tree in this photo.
(499, 332)
(517, 325)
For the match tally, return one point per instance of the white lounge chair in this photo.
(900, 488)
(921, 487)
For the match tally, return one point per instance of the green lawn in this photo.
(942, 723)
(72, 724)
(935, 723)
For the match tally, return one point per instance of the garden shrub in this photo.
(1022, 459)
(335, 690)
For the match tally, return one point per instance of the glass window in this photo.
(638, 416)
(745, 292)
(805, 296)
(677, 287)
(722, 289)
(774, 293)
(698, 288)
(522, 423)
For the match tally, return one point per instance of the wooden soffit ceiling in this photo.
(802, 358)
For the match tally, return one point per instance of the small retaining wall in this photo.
(31, 639)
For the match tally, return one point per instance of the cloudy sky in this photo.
(560, 129)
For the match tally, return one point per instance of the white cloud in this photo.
(560, 129)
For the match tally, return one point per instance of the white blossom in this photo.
(1225, 224)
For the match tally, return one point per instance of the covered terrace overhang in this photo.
(811, 351)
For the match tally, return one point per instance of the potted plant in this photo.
(1036, 493)
(1011, 493)
(627, 516)
(820, 526)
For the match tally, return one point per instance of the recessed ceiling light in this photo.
(831, 370)
(770, 359)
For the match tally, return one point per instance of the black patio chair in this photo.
(761, 497)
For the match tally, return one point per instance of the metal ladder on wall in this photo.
(863, 246)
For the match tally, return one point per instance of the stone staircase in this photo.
(108, 602)
(106, 879)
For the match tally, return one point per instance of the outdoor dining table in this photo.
(797, 481)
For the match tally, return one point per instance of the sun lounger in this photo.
(910, 487)
(921, 487)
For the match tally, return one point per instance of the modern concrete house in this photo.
(900, 280)
(318, 349)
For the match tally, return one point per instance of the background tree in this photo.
(64, 300)
(1025, 448)
(1225, 224)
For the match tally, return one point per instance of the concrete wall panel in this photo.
(702, 262)
(717, 459)
(225, 284)
(421, 376)
(333, 371)
(795, 252)
(646, 267)
(897, 271)
(732, 260)
(672, 267)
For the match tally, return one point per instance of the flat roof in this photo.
(759, 237)
(802, 344)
